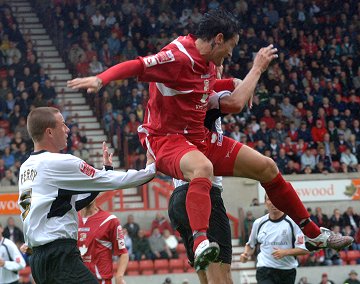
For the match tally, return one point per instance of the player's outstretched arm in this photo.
(244, 90)
(93, 84)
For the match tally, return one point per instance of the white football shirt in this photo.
(283, 234)
(50, 187)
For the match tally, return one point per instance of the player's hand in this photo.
(119, 280)
(2, 262)
(264, 57)
(149, 158)
(244, 257)
(25, 249)
(107, 157)
(92, 84)
(278, 253)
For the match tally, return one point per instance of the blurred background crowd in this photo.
(305, 112)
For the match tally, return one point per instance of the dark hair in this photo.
(215, 22)
(39, 120)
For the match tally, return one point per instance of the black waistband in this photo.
(56, 243)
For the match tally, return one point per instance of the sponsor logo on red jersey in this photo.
(160, 58)
(120, 237)
(87, 169)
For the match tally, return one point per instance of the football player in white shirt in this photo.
(52, 187)
(11, 260)
(281, 240)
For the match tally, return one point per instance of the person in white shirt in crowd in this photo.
(52, 188)
(171, 242)
(11, 260)
(280, 240)
(308, 159)
(350, 160)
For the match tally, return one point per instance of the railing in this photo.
(159, 189)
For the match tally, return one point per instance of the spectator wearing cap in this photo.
(325, 279)
(353, 278)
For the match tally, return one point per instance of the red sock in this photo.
(198, 206)
(311, 230)
(284, 197)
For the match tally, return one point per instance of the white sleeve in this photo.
(179, 182)
(18, 261)
(214, 99)
(253, 235)
(72, 173)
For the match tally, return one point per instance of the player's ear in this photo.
(48, 131)
(219, 38)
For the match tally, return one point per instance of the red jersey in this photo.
(180, 84)
(99, 238)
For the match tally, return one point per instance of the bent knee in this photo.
(268, 169)
(205, 169)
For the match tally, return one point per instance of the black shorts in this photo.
(219, 226)
(267, 275)
(59, 262)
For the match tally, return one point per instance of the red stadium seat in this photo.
(353, 256)
(176, 265)
(343, 256)
(146, 267)
(180, 248)
(133, 273)
(161, 266)
(133, 268)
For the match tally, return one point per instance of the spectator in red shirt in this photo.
(318, 131)
(161, 223)
(270, 122)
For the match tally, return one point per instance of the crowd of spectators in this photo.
(305, 111)
(24, 85)
(157, 243)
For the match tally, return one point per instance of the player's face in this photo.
(223, 49)
(60, 132)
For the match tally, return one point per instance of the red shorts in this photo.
(105, 281)
(168, 150)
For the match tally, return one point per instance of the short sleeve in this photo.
(117, 237)
(253, 235)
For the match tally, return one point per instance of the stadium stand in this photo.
(305, 111)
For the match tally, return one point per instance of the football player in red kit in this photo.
(182, 76)
(99, 238)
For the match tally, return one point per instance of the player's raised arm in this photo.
(132, 68)
(244, 90)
